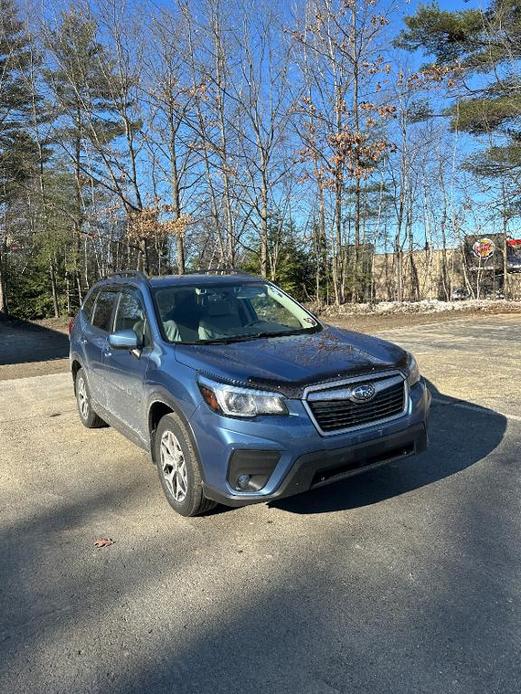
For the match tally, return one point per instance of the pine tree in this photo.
(17, 150)
(82, 81)
(290, 264)
(485, 45)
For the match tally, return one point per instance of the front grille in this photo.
(333, 415)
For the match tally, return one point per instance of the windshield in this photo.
(229, 313)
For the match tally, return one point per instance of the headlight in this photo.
(413, 372)
(240, 402)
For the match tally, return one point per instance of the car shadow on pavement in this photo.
(22, 342)
(417, 595)
(398, 599)
(460, 434)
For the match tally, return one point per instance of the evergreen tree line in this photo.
(290, 141)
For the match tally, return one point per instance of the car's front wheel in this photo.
(88, 417)
(178, 467)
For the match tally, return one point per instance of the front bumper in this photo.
(305, 459)
(319, 468)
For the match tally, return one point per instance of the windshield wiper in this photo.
(284, 333)
(222, 340)
(287, 333)
(254, 336)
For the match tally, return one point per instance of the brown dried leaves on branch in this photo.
(430, 76)
(356, 152)
(151, 222)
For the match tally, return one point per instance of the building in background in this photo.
(477, 269)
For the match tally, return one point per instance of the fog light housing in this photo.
(249, 469)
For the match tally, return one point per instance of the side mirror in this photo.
(124, 339)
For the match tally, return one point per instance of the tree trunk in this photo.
(3, 289)
(217, 230)
(444, 272)
(264, 230)
(356, 119)
(176, 197)
(321, 250)
(68, 292)
(506, 285)
(356, 244)
(337, 261)
(220, 79)
(86, 264)
(78, 287)
(399, 275)
(54, 292)
(180, 251)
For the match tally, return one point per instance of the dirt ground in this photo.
(376, 323)
(33, 348)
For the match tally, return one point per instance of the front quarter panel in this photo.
(170, 382)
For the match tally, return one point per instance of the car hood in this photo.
(291, 362)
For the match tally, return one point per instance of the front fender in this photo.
(160, 394)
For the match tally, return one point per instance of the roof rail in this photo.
(129, 273)
(220, 271)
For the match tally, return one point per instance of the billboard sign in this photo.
(484, 252)
(484, 248)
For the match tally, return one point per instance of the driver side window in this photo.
(131, 316)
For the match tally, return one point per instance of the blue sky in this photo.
(414, 60)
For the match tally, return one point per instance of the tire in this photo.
(88, 417)
(178, 467)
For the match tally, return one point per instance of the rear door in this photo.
(96, 342)
(125, 370)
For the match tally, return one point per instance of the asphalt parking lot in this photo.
(404, 579)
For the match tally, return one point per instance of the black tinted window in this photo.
(88, 304)
(103, 310)
(131, 315)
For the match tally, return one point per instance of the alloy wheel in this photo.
(173, 466)
(83, 398)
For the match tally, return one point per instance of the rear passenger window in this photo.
(88, 305)
(103, 311)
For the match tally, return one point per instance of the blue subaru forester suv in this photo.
(237, 391)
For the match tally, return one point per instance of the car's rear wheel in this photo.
(88, 417)
(178, 467)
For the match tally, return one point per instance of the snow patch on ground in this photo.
(425, 307)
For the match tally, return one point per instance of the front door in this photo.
(125, 370)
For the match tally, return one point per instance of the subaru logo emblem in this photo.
(363, 393)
